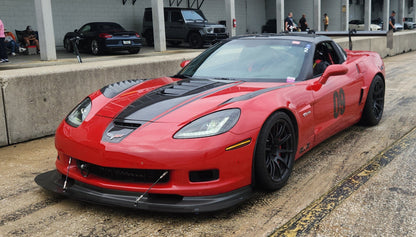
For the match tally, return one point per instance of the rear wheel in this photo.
(275, 152)
(374, 105)
(95, 48)
(195, 40)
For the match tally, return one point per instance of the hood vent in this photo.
(126, 124)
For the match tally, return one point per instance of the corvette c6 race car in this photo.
(233, 120)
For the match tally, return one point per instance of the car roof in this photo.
(103, 22)
(312, 38)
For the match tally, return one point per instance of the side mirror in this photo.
(184, 63)
(333, 70)
(75, 30)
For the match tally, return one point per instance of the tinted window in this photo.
(190, 15)
(176, 16)
(85, 28)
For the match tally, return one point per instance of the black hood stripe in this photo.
(159, 101)
(194, 99)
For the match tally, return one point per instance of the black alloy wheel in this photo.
(95, 48)
(275, 152)
(195, 40)
(374, 105)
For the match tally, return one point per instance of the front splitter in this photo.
(53, 181)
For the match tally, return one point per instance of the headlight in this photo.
(209, 30)
(78, 115)
(210, 125)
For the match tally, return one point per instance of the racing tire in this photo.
(134, 51)
(68, 46)
(95, 48)
(195, 40)
(275, 152)
(374, 105)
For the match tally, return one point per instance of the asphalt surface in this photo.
(360, 182)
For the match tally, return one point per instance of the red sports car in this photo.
(232, 120)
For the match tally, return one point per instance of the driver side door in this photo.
(337, 100)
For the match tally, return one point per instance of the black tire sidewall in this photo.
(98, 48)
(368, 117)
(262, 177)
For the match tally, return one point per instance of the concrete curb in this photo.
(37, 99)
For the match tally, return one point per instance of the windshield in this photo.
(190, 15)
(251, 60)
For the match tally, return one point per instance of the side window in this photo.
(85, 29)
(176, 17)
(325, 55)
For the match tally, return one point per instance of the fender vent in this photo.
(110, 91)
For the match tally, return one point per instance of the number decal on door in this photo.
(339, 103)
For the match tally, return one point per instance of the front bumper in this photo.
(53, 181)
(213, 38)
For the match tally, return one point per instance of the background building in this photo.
(250, 15)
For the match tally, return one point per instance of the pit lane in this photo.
(28, 210)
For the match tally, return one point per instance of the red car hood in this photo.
(170, 100)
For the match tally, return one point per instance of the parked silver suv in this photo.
(185, 25)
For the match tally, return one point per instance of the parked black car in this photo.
(185, 25)
(98, 37)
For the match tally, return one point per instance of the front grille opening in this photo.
(219, 30)
(122, 174)
(204, 175)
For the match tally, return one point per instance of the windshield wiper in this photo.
(182, 76)
(224, 78)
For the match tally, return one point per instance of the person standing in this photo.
(289, 24)
(326, 22)
(3, 50)
(392, 21)
(303, 23)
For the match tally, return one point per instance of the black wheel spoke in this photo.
(285, 151)
(279, 149)
(284, 139)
